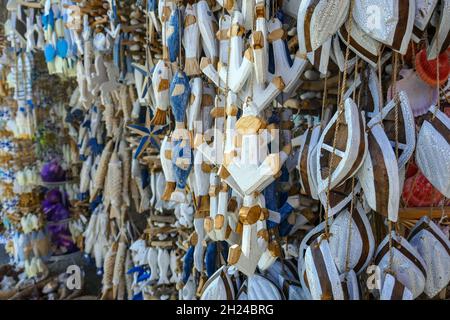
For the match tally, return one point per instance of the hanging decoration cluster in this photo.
(252, 149)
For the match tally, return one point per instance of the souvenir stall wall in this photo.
(252, 149)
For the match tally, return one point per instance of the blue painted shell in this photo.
(173, 37)
(182, 149)
(180, 90)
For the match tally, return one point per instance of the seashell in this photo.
(427, 69)
(420, 94)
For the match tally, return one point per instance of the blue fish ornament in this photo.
(173, 35)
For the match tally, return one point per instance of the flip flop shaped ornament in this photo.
(390, 22)
(434, 247)
(340, 197)
(424, 11)
(307, 141)
(317, 21)
(379, 175)
(406, 127)
(320, 57)
(258, 287)
(338, 49)
(407, 264)
(433, 146)
(362, 244)
(350, 286)
(394, 290)
(441, 39)
(220, 286)
(322, 275)
(349, 152)
(360, 42)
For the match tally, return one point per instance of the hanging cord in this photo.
(324, 100)
(340, 110)
(437, 74)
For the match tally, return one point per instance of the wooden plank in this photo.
(417, 213)
(160, 218)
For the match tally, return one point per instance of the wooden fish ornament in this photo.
(161, 78)
(191, 41)
(165, 9)
(183, 155)
(166, 164)
(173, 35)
